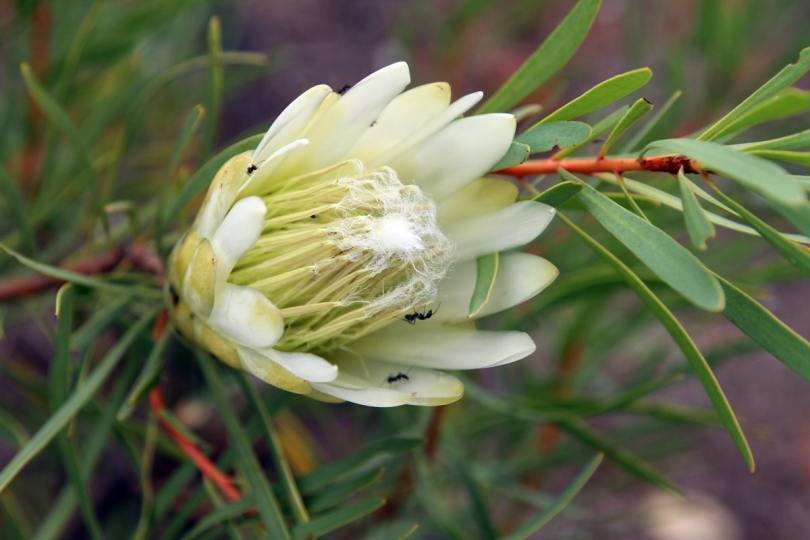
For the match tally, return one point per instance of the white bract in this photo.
(316, 259)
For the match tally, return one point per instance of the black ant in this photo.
(398, 377)
(342, 90)
(411, 318)
(252, 169)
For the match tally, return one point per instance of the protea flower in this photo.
(338, 259)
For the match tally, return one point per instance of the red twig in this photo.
(669, 164)
(205, 465)
(137, 255)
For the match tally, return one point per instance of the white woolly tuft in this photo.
(396, 226)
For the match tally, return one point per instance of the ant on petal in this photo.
(252, 169)
(398, 377)
(345, 87)
(391, 379)
(411, 318)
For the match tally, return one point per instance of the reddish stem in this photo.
(137, 255)
(670, 164)
(206, 466)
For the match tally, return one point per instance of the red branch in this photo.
(137, 255)
(206, 466)
(669, 164)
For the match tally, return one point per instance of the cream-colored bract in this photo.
(355, 211)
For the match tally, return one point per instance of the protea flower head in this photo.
(338, 259)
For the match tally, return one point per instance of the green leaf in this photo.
(756, 174)
(639, 202)
(796, 254)
(560, 502)
(797, 141)
(601, 127)
(675, 203)
(73, 404)
(487, 272)
(526, 111)
(783, 79)
(334, 520)
(624, 458)
(15, 206)
(698, 225)
(215, 83)
(219, 516)
(205, 174)
(681, 338)
(670, 261)
(283, 469)
(62, 121)
(266, 503)
(147, 378)
(12, 430)
(80, 279)
(558, 194)
(791, 101)
(636, 113)
(333, 495)
(802, 158)
(560, 134)
(600, 95)
(766, 330)
(189, 127)
(547, 60)
(315, 480)
(515, 155)
(633, 143)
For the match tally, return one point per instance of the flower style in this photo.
(338, 259)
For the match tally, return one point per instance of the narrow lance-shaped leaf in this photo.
(756, 174)
(633, 143)
(62, 121)
(790, 102)
(797, 141)
(557, 195)
(698, 225)
(802, 158)
(487, 271)
(561, 501)
(797, 255)
(765, 329)
(636, 113)
(560, 134)
(73, 404)
(10, 190)
(600, 95)
(694, 357)
(311, 482)
(670, 261)
(674, 202)
(215, 83)
(549, 57)
(515, 155)
(787, 76)
(266, 503)
(599, 129)
(79, 279)
(327, 523)
(189, 127)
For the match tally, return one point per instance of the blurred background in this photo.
(115, 88)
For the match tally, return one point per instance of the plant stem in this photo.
(670, 164)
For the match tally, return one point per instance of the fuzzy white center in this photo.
(396, 234)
